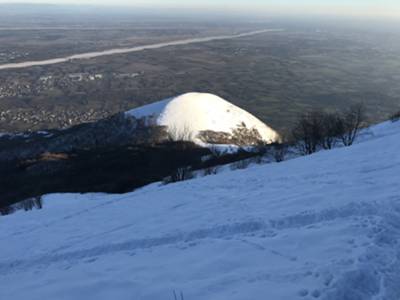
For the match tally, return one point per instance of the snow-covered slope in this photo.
(325, 226)
(192, 113)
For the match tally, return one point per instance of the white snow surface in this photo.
(324, 226)
(188, 114)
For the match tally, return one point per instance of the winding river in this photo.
(90, 55)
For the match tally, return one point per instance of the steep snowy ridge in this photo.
(325, 226)
(192, 113)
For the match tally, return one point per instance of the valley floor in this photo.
(325, 226)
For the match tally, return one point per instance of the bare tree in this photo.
(240, 164)
(6, 210)
(180, 174)
(279, 152)
(180, 294)
(395, 117)
(210, 171)
(308, 132)
(27, 204)
(324, 130)
(331, 124)
(38, 202)
(352, 121)
(217, 152)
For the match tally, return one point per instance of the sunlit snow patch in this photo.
(190, 114)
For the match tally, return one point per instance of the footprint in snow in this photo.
(90, 260)
(316, 294)
(303, 293)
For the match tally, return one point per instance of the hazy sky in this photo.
(352, 7)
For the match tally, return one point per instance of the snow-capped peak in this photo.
(192, 113)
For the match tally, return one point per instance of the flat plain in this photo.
(274, 75)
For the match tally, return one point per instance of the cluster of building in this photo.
(11, 87)
(15, 89)
(44, 119)
(10, 56)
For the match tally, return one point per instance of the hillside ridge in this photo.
(322, 226)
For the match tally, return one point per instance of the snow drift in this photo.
(192, 114)
(325, 226)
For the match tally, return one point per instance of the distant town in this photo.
(22, 87)
(33, 119)
(63, 118)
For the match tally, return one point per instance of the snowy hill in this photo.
(325, 226)
(193, 114)
(204, 119)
